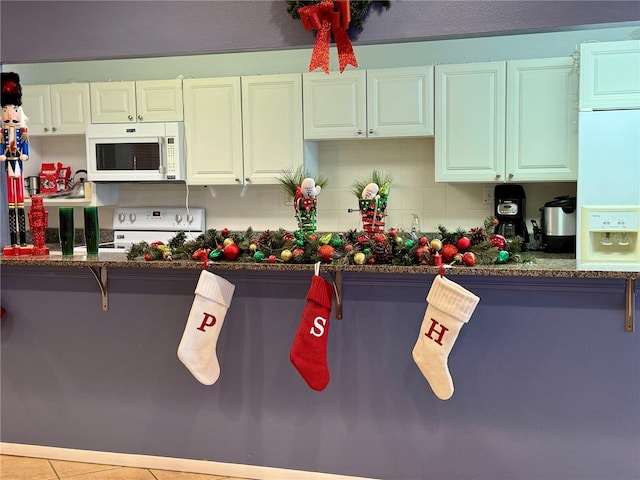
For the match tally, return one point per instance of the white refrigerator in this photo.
(608, 190)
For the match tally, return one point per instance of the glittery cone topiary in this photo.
(372, 196)
(304, 190)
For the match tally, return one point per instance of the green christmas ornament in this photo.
(409, 243)
(258, 256)
(503, 256)
(215, 254)
(336, 242)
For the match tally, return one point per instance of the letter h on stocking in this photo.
(440, 333)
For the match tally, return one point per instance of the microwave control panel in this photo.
(171, 158)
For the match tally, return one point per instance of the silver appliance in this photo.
(558, 218)
(155, 224)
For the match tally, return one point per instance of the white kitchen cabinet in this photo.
(271, 126)
(243, 130)
(380, 103)
(542, 120)
(507, 121)
(610, 75)
(60, 109)
(470, 120)
(213, 129)
(142, 101)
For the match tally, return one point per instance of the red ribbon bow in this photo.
(323, 18)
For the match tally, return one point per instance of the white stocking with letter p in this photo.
(197, 349)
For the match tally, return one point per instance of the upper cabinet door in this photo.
(159, 101)
(272, 126)
(70, 108)
(36, 104)
(400, 102)
(213, 129)
(143, 101)
(56, 109)
(542, 120)
(470, 122)
(113, 102)
(610, 75)
(335, 105)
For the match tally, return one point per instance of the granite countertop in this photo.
(546, 265)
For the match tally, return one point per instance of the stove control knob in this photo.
(189, 218)
(178, 217)
(122, 217)
(132, 217)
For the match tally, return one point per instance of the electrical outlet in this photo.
(487, 195)
(288, 201)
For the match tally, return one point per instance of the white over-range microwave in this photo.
(135, 152)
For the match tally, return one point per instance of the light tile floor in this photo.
(26, 468)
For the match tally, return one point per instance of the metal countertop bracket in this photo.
(101, 278)
(630, 306)
(336, 277)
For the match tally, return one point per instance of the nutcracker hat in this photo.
(11, 89)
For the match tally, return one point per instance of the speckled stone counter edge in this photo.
(543, 267)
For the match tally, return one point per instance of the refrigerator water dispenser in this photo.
(610, 238)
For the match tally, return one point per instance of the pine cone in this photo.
(477, 235)
(265, 237)
(381, 252)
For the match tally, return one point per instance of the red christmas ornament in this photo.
(448, 252)
(469, 259)
(464, 243)
(498, 241)
(326, 253)
(231, 252)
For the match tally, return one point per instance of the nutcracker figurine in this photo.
(15, 150)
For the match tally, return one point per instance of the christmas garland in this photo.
(359, 9)
(394, 247)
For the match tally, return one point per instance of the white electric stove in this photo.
(155, 224)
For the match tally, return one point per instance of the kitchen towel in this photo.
(197, 349)
(450, 307)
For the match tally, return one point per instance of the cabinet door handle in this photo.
(511, 176)
(130, 117)
(139, 117)
(46, 129)
(359, 132)
(498, 176)
(371, 130)
(248, 180)
(54, 129)
(237, 180)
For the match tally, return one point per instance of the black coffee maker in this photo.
(510, 211)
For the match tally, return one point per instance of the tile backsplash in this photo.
(413, 190)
